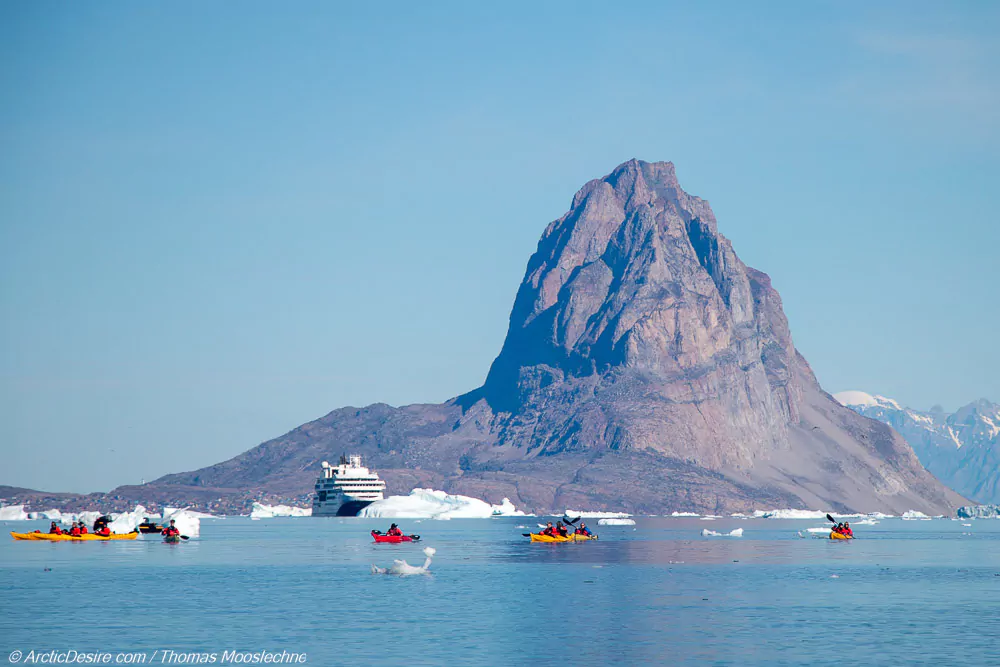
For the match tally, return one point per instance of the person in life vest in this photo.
(561, 530)
(83, 528)
(75, 530)
(100, 522)
(394, 531)
(55, 529)
(171, 530)
(847, 530)
(549, 530)
(103, 531)
(582, 530)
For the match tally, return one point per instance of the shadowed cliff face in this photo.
(646, 368)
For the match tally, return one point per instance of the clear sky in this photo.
(221, 220)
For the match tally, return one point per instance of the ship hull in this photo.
(349, 508)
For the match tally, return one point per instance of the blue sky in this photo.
(218, 222)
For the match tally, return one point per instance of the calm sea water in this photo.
(906, 592)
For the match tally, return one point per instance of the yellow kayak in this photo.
(537, 537)
(839, 536)
(89, 537)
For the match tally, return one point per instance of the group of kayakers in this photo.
(79, 529)
(102, 529)
(562, 530)
(844, 529)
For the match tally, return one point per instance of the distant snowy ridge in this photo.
(962, 449)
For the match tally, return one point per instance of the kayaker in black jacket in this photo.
(561, 529)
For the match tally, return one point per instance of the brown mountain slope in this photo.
(646, 368)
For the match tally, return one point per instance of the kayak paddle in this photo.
(830, 518)
(571, 521)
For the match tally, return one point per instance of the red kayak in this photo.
(393, 539)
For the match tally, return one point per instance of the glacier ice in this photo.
(738, 532)
(613, 521)
(261, 511)
(431, 504)
(13, 513)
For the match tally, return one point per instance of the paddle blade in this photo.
(185, 537)
(570, 521)
(526, 534)
(830, 518)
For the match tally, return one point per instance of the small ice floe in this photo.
(866, 522)
(738, 532)
(615, 522)
(914, 514)
(403, 569)
(967, 525)
(682, 514)
(596, 515)
(522, 527)
(708, 518)
(835, 576)
(261, 511)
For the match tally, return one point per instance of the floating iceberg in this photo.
(186, 521)
(13, 513)
(914, 514)
(979, 512)
(738, 532)
(260, 511)
(506, 508)
(616, 522)
(788, 514)
(597, 515)
(128, 522)
(194, 513)
(865, 522)
(824, 530)
(684, 514)
(431, 504)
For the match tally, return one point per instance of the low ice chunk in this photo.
(13, 513)
(431, 504)
(615, 522)
(789, 514)
(684, 514)
(738, 532)
(914, 514)
(506, 508)
(261, 511)
(403, 569)
(597, 515)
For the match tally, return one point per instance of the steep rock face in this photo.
(646, 368)
(962, 448)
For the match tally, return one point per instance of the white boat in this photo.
(347, 488)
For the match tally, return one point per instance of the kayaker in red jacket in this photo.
(54, 529)
(75, 530)
(171, 530)
(549, 530)
(83, 529)
(847, 530)
(394, 531)
(104, 531)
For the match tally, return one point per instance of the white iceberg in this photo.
(789, 514)
(684, 514)
(910, 515)
(506, 508)
(13, 513)
(616, 522)
(194, 513)
(260, 511)
(824, 530)
(596, 515)
(738, 532)
(186, 521)
(431, 504)
(88, 518)
(865, 522)
(128, 522)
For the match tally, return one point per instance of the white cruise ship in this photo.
(346, 489)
